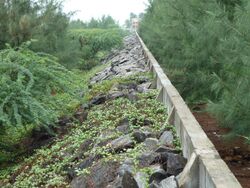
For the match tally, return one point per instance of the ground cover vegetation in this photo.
(44, 70)
(52, 166)
(204, 49)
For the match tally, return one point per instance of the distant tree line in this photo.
(23, 20)
(106, 22)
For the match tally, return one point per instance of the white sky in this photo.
(118, 9)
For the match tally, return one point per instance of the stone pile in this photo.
(158, 155)
(125, 62)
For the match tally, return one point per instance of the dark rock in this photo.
(175, 164)
(163, 149)
(101, 174)
(128, 181)
(149, 132)
(127, 166)
(123, 126)
(127, 86)
(86, 145)
(87, 162)
(117, 183)
(125, 62)
(169, 182)
(143, 88)
(132, 96)
(99, 99)
(104, 138)
(167, 138)
(125, 181)
(148, 158)
(115, 95)
(142, 79)
(139, 136)
(147, 122)
(65, 121)
(128, 70)
(162, 159)
(81, 115)
(121, 143)
(151, 144)
(158, 174)
(71, 173)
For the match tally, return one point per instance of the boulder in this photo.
(151, 144)
(81, 115)
(167, 138)
(99, 99)
(87, 162)
(149, 132)
(175, 164)
(144, 88)
(123, 126)
(86, 145)
(115, 95)
(147, 158)
(127, 166)
(128, 181)
(142, 79)
(163, 149)
(169, 182)
(121, 143)
(132, 96)
(158, 173)
(147, 122)
(101, 174)
(139, 136)
(127, 86)
(125, 181)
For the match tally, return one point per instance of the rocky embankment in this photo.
(143, 153)
(124, 63)
(119, 139)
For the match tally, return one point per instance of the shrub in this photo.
(91, 45)
(28, 81)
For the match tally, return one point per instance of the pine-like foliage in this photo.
(204, 48)
(92, 44)
(28, 82)
(184, 36)
(233, 80)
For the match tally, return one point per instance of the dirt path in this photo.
(235, 153)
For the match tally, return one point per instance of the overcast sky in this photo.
(118, 9)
